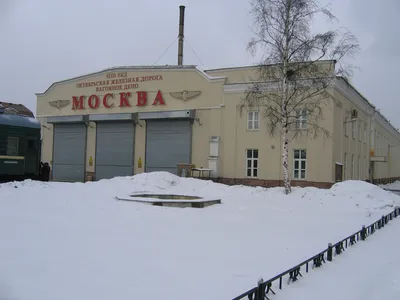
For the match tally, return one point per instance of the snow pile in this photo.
(75, 241)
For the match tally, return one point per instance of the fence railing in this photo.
(264, 288)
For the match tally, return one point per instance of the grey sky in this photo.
(50, 40)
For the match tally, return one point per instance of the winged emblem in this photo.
(59, 103)
(185, 95)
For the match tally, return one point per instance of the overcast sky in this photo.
(43, 41)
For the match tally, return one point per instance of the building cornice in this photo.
(187, 68)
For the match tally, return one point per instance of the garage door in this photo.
(69, 152)
(114, 149)
(168, 142)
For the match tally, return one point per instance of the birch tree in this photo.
(297, 68)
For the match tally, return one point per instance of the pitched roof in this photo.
(15, 109)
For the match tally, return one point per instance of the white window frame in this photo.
(252, 159)
(300, 160)
(359, 131)
(253, 120)
(301, 119)
(346, 126)
(16, 146)
(353, 130)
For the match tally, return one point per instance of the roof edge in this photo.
(144, 67)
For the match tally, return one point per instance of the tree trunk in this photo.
(285, 160)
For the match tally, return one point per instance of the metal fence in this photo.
(264, 288)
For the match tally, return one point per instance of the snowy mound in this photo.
(66, 234)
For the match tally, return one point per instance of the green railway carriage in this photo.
(19, 146)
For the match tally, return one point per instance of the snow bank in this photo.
(75, 241)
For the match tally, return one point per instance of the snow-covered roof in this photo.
(19, 121)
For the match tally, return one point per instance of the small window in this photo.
(299, 164)
(301, 119)
(353, 130)
(12, 146)
(253, 120)
(252, 163)
(359, 132)
(352, 167)
(31, 145)
(345, 166)
(365, 134)
(346, 126)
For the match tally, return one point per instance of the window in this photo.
(301, 119)
(12, 146)
(252, 120)
(353, 130)
(345, 166)
(346, 126)
(359, 131)
(352, 167)
(359, 168)
(365, 134)
(299, 162)
(252, 163)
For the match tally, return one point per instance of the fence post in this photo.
(260, 293)
(329, 254)
(363, 233)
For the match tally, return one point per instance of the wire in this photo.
(194, 51)
(165, 51)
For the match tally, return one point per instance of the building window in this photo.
(365, 134)
(352, 167)
(299, 163)
(12, 145)
(353, 130)
(346, 126)
(359, 132)
(301, 119)
(252, 163)
(345, 166)
(253, 120)
(359, 168)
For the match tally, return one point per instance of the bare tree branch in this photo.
(297, 68)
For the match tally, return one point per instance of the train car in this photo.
(20, 148)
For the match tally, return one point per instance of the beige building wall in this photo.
(238, 139)
(208, 115)
(352, 137)
(385, 143)
(218, 114)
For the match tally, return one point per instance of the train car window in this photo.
(31, 144)
(12, 145)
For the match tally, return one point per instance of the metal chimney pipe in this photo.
(180, 36)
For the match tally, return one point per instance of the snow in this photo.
(33, 120)
(368, 270)
(75, 241)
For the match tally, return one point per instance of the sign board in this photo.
(378, 158)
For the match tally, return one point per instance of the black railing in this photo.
(264, 288)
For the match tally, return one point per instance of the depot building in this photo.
(129, 120)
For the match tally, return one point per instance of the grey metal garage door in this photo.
(69, 152)
(114, 149)
(168, 142)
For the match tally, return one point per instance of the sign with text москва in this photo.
(116, 82)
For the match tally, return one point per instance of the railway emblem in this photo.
(185, 95)
(59, 103)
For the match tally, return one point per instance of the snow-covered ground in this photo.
(369, 270)
(75, 241)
